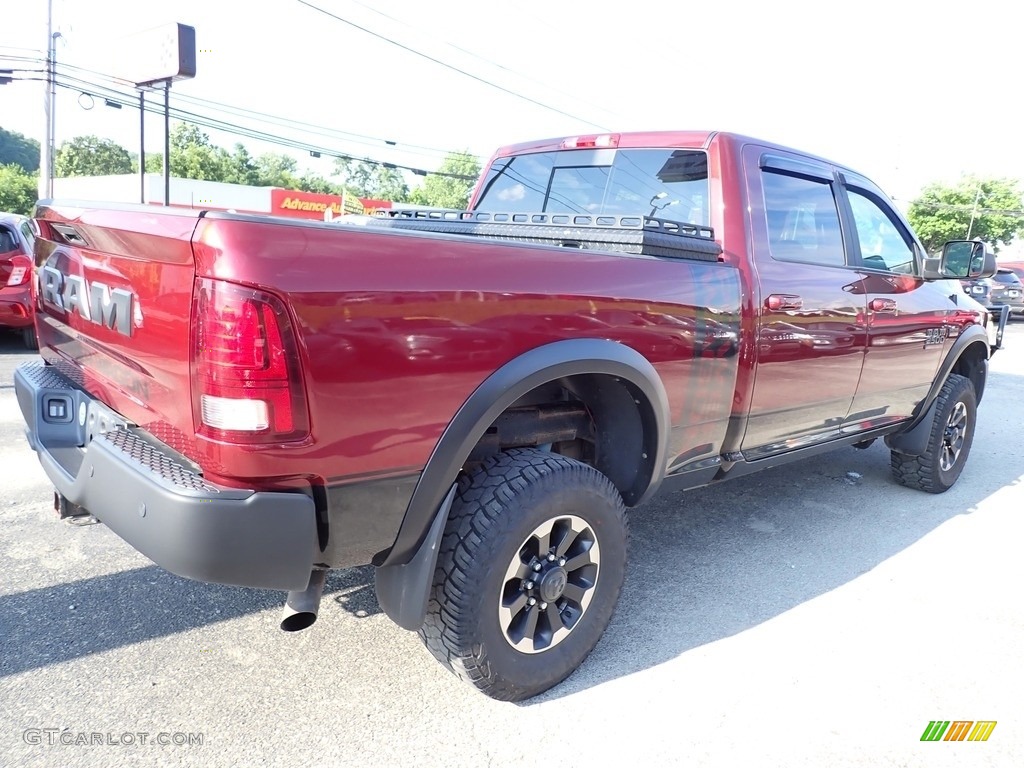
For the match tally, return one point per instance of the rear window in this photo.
(1007, 277)
(665, 183)
(8, 242)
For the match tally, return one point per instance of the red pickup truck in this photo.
(470, 400)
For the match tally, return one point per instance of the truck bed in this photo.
(394, 326)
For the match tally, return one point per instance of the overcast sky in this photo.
(904, 96)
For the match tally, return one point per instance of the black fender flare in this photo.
(403, 579)
(914, 438)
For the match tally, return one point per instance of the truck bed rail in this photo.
(638, 234)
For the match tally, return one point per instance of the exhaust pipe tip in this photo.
(301, 608)
(296, 622)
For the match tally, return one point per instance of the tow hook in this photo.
(72, 513)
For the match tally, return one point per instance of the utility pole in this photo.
(142, 146)
(167, 142)
(46, 151)
(974, 211)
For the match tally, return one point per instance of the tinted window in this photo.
(667, 183)
(883, 244)
(802, 218)
(30, 239)
(8, 242)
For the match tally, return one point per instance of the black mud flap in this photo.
(999, 317)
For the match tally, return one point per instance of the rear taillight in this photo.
(246, 380)
(21, 271)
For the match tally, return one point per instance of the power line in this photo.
(284, 121)
(115, 96)
(316, 130)
(968, 208)
(446, 65)
(491, 62)
(5, 58)
(111, 94)
(277, 120)
(20, 48)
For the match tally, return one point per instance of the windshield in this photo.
(666, 183)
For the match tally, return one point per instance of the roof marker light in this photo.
(585, 142)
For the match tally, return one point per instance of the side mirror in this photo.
(966, 260)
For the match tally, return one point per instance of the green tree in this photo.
(91, 156)
(373, 180)
(193, 156)
(241, 168)
(354, 175)
(19, 149)
(986, 208)
(277, 170)
(18, 189)
(388, 184)
(447, 191)
(311, 182)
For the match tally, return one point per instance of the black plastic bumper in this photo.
(150, 498)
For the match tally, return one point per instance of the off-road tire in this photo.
(956, 403)
(495, 510)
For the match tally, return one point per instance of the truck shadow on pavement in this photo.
(64, 622)
(704, 565)
(709, 572)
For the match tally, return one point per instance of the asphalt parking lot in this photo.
(812, 615)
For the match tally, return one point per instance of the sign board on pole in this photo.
(157, 55)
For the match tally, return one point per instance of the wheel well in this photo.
(972, 363)
(599, 419)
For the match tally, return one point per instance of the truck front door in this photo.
(905, 315)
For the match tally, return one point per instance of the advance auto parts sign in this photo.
(310, 205)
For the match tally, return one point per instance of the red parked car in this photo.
(16, 240)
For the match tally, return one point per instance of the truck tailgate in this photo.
(113, 299)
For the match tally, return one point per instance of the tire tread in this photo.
(922, 472)
(483, 503)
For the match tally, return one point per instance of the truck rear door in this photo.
(810, 333)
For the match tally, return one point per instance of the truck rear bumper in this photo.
(153, 500)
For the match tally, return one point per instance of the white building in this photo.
(210, 195)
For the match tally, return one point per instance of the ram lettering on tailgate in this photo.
(95, 302)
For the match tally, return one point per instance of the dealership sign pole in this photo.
(159, 56)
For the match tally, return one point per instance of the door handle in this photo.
(783, 301)
(883, 305)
